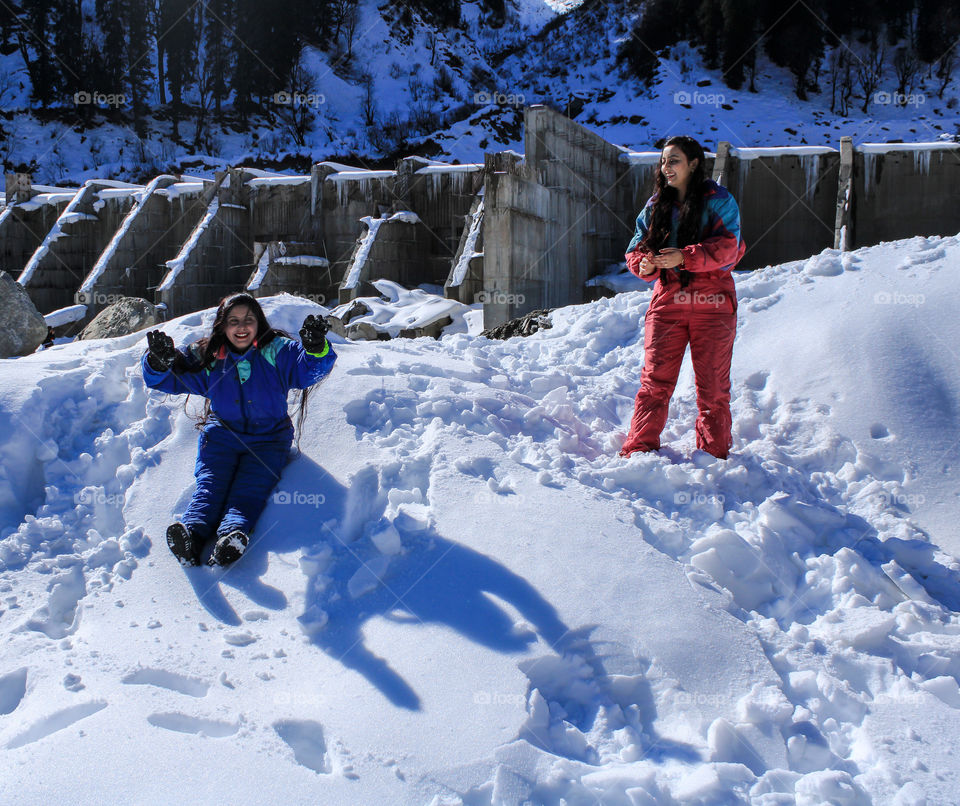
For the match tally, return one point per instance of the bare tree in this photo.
(870, 72)
(204, 87)
(946, 64)
(906, 65)
(840, 72)
(300, 109)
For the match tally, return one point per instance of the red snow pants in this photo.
(707, 321)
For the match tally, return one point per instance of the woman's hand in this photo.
(640, 263)
(313, 334)
(162, 352)
(669, 258)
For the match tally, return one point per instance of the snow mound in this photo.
(459, 594)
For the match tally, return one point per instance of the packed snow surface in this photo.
(459, 594)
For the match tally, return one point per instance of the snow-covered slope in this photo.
(459, 594)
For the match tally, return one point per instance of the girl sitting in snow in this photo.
(688, 239)
(245, 369)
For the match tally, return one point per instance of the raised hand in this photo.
(313, 334)
(162, 352)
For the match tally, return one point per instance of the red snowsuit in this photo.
(704, 314)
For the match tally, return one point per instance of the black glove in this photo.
(313, 334)
(162, 352)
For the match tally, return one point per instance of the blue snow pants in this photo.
(235, 475)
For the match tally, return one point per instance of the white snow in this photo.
(107, 255)
(69, 215)
(63, 316)
(783, 151)
(402, 308)
(176, 265)
(469, 252)
(268, 181)
(303, 260)
(459, 594)
(352, 276)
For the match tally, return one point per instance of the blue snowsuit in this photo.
(247, 440)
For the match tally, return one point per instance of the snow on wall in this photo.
(56, 232)
(64, 316)
(364, 178)
(107, 255)
(266, 181)
(373, 225)
(459, 273)
(176, 265)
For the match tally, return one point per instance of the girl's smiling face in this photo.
(240, 327)
(676, 168)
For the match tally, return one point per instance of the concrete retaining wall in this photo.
(54, 272)
(787, 198)
(901, 190)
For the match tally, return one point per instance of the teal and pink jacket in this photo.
(709, 261)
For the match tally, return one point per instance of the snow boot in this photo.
(229, 548)
(186, 546)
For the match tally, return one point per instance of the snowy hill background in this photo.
(386, 81)
(459, 593)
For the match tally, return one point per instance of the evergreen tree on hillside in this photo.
(710, 24)
(795, 40)
(445, 13)
(218, 20)
(140, 32)
(656, 29)
(68, 46)
(32, 37)
(179, 32)
(113, 59)
(740, 34)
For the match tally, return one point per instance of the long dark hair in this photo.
(664, 197)
(211, 346)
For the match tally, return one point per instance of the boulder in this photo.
(525, 325)
(22, 328)
(126, 315)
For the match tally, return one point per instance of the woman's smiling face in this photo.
(240, 327)
(676, 168)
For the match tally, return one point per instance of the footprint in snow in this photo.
(184, 723)
(57, 721)
(161, 678)
(13, 688)
(306, 740)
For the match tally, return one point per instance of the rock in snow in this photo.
(22, 328)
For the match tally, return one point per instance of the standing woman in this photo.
(688, 238)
